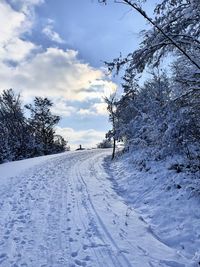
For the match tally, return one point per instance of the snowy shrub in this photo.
(106, 143)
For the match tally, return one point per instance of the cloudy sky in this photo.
(56, 49)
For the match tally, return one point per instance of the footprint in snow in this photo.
(16, 239)
(80, 263)
(3, 256)
(74, 254)
(85, 247)
(87, 258)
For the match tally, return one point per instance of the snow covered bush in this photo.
(106, 143)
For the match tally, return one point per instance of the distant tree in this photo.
(106, 143)
(42, 122)
(23, 138)
(60, 144)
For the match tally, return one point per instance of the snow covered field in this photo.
(63, 211)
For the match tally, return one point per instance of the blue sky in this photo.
(56, 49)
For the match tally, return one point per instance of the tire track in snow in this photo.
(110, 243)
(97, 255)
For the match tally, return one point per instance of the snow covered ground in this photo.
(167, 200)
(63, 210)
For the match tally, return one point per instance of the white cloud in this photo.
(62, 108)
(56, 73)
(101, 108)
(11, 21)
(15, 23)
(16, 50)
(26, 6)
(87, 138)
(86, 112)
(51, 34)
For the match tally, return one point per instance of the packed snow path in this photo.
(64, 212)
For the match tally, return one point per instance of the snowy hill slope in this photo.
(167, 200)
(63, 211)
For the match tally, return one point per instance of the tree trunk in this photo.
(114, 147)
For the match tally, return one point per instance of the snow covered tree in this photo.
(42, 122)
(23, 138)
(59, 144)
(111, 107)
(13, 127)
(163, 113)
(142, 117)
(125, 106)
(175, 28)
(186, 91)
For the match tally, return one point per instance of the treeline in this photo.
(162, 116)
(27, 131)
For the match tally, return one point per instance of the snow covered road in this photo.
(64, 212)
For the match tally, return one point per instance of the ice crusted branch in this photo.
(150, 20)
